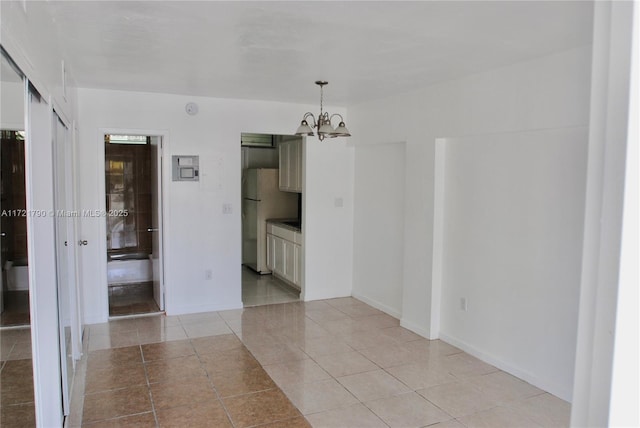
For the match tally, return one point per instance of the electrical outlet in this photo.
(338, 202)
(463, 303)
(227, 209)
(208, 274)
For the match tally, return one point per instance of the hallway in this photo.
(332, 363)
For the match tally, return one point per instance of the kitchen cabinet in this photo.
(284, 253)
(290, 163)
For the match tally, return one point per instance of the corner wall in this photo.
(551, 92)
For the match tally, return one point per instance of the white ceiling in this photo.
(276, 50)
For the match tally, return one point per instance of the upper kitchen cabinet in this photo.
(290, 150)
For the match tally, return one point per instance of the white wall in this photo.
(328, 218)
(12, 106)
(546, 93)
(198, 236)
(513, 211)
(379, 199)
(606, 324)
(29, 36)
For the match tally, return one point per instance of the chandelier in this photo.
(323, 124)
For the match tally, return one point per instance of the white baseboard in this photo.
(381, 306)
(417, 329)
(551, 387)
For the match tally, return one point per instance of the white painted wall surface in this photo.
(513, 217)
(28, 33)
(327, 218)
(12, 106)
(198, 236)
(546, 93)
(380, 199)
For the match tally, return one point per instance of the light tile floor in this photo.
(332, 363)
(265, 289)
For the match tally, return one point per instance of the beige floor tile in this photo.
(318, 396)
(166, 350)
(378, 321)
(322, 316)
(20, 351)
(302, 371)
(546, 410)
(259, 408)
(114, 378)
(200, 318)
(458, 398)
(119, 402)
(451, 423)
(418, 376)
(228, 360)
(373, 385)
(327, 345)
(213, 328)
(436, 347)
(345, 364)
(164, 334)
(21, 415)
(142, 420)
(355, 416)
(182, 392)
(110, 358)
(400, 334)
(174, 369)
(368, 339)
(498, 417)
(242, 382)
(202, 414)
(358, 310)
(389, 356)
(115, 326)
(463, 365)
(113, 340)
(277, 353)
(407, 410)
(297, 422)
(503, 387)
(212, 344)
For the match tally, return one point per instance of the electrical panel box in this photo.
(185, 168)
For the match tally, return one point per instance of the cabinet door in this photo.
(278, 256)
(297, 264)
(289, 263)
(283, 164)
(270, 251)
(295, 182)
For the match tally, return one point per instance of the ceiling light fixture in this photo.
(323, 124)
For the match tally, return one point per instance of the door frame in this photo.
(163, 134)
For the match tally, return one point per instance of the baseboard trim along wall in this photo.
(550, 387)
(384, 308)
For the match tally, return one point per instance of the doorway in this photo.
(265, 201)
(133, 205)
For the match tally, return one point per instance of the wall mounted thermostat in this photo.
(185, 168)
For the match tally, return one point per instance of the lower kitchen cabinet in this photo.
(284, 256)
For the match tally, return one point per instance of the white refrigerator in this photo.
(262, 200)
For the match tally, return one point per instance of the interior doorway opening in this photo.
(271, 219)
(133, 205)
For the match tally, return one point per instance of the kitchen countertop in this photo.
(282, 222)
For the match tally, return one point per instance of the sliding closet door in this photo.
(42, 262)
(65, 259)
